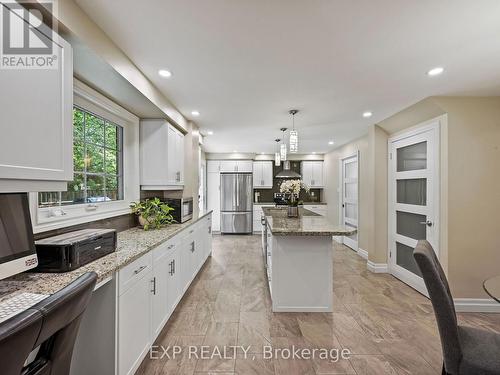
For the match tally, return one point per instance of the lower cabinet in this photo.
(134, 322)
(150, 288)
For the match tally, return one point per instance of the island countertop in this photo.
(307, 224)
(131, 245)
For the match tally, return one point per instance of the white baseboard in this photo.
(477, 305)
(377, 267)
(362, 253)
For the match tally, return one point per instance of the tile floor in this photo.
(387, 326)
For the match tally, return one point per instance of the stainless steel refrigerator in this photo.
(236, 204)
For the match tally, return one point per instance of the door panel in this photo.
(228, 186)
(413, 200)
(349, 187)
(244, 192)
(236, 222)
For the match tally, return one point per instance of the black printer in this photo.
(69, 251)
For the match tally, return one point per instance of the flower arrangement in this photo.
(292, 188)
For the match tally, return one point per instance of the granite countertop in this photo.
(131, 244)
(307, 224)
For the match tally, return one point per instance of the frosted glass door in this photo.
(413, 179)
(350, 199)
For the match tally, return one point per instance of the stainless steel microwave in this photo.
(183, 208)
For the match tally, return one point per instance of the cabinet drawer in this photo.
(133, 272)
(164, 249)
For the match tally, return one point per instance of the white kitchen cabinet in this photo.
(166, 287)
(36, 147)
(228, 166)
(213, 198)
(134, 320)
(161, 156)
(312, 173)
(257, 216)
(263, 174)
(213, 166)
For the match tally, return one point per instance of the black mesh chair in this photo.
(52, 326)
(466, 350)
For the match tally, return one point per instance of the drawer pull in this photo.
(154, 286)
(192, 247)
(140, 269)
(169, 247)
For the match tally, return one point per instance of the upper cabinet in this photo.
(162, 156)
(240, 166)
(263, 174)
(312, 173)
(36, 147)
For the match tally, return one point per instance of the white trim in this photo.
(476, 305)
(377, 267)
(50, 218)
(362, 253)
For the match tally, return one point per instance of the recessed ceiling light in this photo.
(235, 150)
(314, 152)
(367, 114)
(195, 113)
(435, 71)
(262, 153)
(331, 142)
(210, 132)
(165, 73)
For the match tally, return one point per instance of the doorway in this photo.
(413, 199)
(349, 193)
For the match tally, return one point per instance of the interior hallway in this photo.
(389, 328)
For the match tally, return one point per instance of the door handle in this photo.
(428, 223)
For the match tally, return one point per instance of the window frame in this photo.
(86, 98)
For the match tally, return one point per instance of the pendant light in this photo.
(294, 135)
(283, 146)
(277, 156)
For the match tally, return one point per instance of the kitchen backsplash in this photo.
(267, 195)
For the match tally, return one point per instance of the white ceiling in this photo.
(243, 64)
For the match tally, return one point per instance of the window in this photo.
(97, 163)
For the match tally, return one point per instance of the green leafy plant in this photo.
(152, 213)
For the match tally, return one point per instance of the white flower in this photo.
(293, 187)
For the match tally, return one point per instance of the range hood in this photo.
(287, 172)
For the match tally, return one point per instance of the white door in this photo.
(413, 200)
(349, 190)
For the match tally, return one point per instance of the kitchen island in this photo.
(299, 259)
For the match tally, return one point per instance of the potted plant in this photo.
(152, 213)
(292, 189)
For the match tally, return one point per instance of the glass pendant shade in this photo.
(294, 141)
(283, 151)
(277, 159)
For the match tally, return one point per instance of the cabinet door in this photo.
(180, 157)
(174, 287)
(307, 173)
(154, 152)
(172, 164)
(134, 324)
(208, 242)
(37, 124)
(160, 306)
(213, 198)
(228, 166)
(258, 181)
(317, 174)
(245, 166)
(267, 174)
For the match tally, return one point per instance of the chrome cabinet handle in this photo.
(192, 247)
(154, 286)
(209, 229)
(173, 266)
(169, 247)
(428, 223)
(140, 269)
(171, 272)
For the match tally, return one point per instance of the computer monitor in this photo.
(17, 247)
